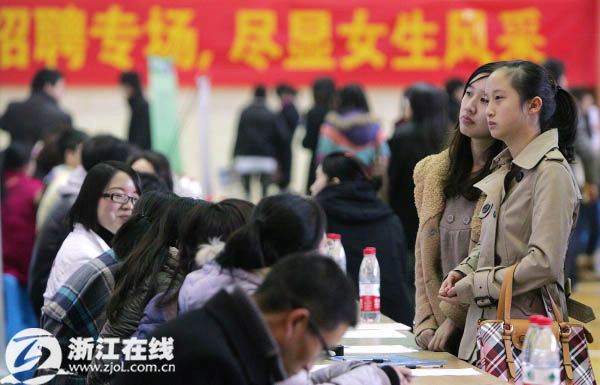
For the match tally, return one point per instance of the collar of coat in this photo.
(431, 172)
(534, 152)
(350, 119)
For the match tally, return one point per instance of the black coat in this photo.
(314, 119)
(289, 117)
(27, 121)
(260, 132)
(139, 124)
(225, 342)
(48, 241)
(406, 151)
(363, 220)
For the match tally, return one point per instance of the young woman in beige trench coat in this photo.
(531, 202)
(446, 204)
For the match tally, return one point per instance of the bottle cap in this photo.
(534, 319)
(334, 236)
(544, 321)
(369, 251)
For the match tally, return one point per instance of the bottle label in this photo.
(369, 303)
(369, 297)
(541, 376)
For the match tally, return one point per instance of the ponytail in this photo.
(565, 119)
(280, 225)
(244, 249)
(347, 168)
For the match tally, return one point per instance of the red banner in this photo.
(245, 42)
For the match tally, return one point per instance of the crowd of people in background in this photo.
(98, 242)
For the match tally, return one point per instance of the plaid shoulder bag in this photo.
(500, 342)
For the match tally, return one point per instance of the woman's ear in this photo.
(535, 105)
(334, 180)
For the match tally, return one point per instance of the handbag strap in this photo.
(557, 315)
(564, 334)
(503, 313)
(505, 300)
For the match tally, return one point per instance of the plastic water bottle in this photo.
(335, 250)
(529, 338)
(543, 364)
(368, 287)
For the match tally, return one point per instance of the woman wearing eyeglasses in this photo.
(104, 204)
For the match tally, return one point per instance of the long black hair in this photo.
(347, 168)
(559, 109)
(429, 106)
(352, 98)
(459, 180)
(85, 208)
(204, 222)
(279, 225)
(148, 258)
(148, 209)
(323, 91)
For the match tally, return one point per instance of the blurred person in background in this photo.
(585, 236)
(152, 162)
(348, 197)
(556, 68)
(47, 154)
(583, 243)
(55, 229)
(27, 121)
(290, 118)
(151, 182)
(352, 128)
(104, 203)
(69, 144)
(260, 136)
(423, 134)
(20, 195)
(139, 121)
(323, 90)
(454, 90)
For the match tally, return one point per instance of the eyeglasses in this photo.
(326, 353)
(121, 198)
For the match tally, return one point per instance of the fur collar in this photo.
(429, 179)
(350, 120)
(208, 251)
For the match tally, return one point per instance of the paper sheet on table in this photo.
(318, 367)
(377, 349)
(444, 372)
(382, 326)
(373, 334)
